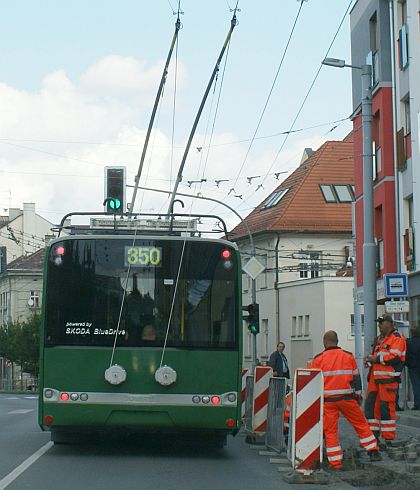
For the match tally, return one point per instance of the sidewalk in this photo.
(394, 471)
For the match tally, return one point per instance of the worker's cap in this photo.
(385, 318)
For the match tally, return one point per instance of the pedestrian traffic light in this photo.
(114, 189)
(253, 318)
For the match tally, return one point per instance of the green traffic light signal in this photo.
(253, 318)
(114, 204)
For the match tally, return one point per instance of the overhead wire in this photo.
(310, 88)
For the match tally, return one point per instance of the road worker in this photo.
(286, 415)
(342, 389)
(386, 363)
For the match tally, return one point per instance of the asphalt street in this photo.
(151, 463)
(28, 460)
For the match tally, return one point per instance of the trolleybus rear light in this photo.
(227, 264)
(48, 393)
(84, 397)
(64, 397)
(60, 250)
(74, 396)
(48, 419)
(205, 399)
(226, 254)
(231, 397)
(196, 399)
(215, 400)
(230, 423)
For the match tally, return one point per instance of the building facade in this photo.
(385, 34)
(302, 234)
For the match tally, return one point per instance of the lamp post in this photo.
(369, 248)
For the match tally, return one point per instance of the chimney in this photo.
(14, 213)
(307, 152)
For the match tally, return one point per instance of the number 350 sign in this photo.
(143, 256)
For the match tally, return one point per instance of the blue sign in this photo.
(396, 285)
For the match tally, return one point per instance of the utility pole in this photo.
(369, 247)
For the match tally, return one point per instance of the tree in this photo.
(19, 342)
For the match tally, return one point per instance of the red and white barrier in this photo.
(307, 408)
(262, 375)
(245, 372)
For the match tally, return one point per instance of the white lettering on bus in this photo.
(108, 331)
(78, 331)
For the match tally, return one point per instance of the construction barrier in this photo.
(306, 420)
(262, 375)
(274, 435)
(245, 372)
(249, 397)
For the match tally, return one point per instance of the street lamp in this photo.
(369, 248)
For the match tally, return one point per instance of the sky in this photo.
(78, 82)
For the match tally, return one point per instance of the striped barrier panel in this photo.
(262, 375)
(307, 411)
(245, 371)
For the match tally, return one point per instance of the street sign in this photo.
(397, 306)
(253, 268)
(396, 285)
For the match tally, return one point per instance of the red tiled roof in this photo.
(34, 261)
(303, 208)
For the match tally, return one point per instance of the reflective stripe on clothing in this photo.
(338, 392)
(386, 373)
(333, 449)
(339, 371)
(339, 457)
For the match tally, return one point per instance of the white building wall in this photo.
(27, 234)
(334, 250)
(19, 289)
(308, 309)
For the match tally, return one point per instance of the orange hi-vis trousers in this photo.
(380, 408)
(353, 413)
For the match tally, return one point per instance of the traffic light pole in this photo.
(254, 336)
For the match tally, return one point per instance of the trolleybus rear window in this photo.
(101, 288)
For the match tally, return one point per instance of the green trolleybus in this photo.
(141, 331)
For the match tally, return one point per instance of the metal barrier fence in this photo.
(247, 419)
(274, 436)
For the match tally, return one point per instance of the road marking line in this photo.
(21, 410)
(31, 397)
(12, 398)
(8, 479)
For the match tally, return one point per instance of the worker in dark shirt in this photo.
(413, 363)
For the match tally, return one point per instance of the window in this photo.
(343, 193)
(274, 199)
(34, 299)
(328, 193)
(300, 326)
(403, 48)
(337, 193)
(4, 299)
(303, 270)
(407, 120)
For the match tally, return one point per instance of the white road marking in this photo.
(12, 398)
(31, 397)
(21, 410)
(11, 477)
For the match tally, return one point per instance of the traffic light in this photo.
(253, 318)
(114, 189)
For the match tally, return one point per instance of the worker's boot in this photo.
(375, 456)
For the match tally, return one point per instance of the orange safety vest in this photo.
(341, 375)
(287, 406)
(390, 356)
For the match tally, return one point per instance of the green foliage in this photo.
(19, 342)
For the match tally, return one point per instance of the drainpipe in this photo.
(277, 291)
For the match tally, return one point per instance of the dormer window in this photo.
(274, 199)
(337, 193)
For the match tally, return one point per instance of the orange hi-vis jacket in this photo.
(341, 375)
(390, 357)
